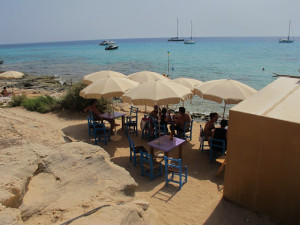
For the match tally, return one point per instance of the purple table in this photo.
(114, 116)
(164, 143)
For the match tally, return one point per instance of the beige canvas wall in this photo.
(263, 165)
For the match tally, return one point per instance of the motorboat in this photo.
(107, 43)
(191, 41)
(112, 47)
(287, 40)
(1, 61)
(176, 38)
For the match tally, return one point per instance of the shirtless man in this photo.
(180, 120)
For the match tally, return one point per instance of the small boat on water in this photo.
(112, 47)
(176, 38)
(288, 40)
(107, 43)
(191, 41)
(1, 61)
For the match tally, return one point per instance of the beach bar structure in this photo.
(263, 157)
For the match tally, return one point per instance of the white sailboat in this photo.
(288, 40)
(176, 38)
(191, 41)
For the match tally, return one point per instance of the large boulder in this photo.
(54, 184)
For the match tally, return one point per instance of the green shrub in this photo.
(17, 100)
(72, 101)
(42, 104)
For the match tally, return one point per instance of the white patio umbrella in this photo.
(146, 76)
(108, 87)
(11, 75)
(229, 91)
(92, 77)
(157, 93)
(188, 82)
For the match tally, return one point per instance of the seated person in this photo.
(97, 115)
(164, 118)
(180, 120)
(154, 113)
(4, 92)
(210, 126)
(221, 133)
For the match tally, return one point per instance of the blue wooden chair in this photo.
(146, 132)
(149, 167)
(131, 121)
(159, 129)
(135, 151)
(99, 130)
(175, 167)
(187, 131)
(202, 140)
(217, 148)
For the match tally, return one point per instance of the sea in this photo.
(250, 60)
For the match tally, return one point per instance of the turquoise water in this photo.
(241, 59)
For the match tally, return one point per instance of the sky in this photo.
(30, 21)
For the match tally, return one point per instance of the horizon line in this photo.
(60, 41)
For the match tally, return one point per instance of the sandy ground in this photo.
(200, 199)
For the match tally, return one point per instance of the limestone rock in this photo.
(10, 216)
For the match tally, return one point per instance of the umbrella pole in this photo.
(224, 110)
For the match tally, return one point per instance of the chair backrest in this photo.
(218, 145)
(145, 157)
(188, 127)
(134, 111)
(173, 164)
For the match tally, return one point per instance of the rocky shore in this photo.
(46, 178)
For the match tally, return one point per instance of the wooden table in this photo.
(114, 116)
(164, 143)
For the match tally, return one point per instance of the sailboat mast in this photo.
(191, 30)
(289, 30)
(177, 28)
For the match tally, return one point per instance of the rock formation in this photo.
(45, 180)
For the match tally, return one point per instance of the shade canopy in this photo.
(11, 75)
(229, 91)
(146, 76)
(157, 92)
(188, 82)
(108, 87)
(92, 77)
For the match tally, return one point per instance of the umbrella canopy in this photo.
(108, 87)
(11, 75)
(92, 77)
(229, 91)
(157, 92)
(188, 82)
(146, 76)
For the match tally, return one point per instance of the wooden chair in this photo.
(100, 132)
(202, 140)
(176, 168)
(131, 121)
(149, 167)
(217, 147)
(135, 151)
(187, 131)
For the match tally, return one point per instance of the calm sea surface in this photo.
(241, 59)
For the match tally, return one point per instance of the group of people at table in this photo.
(176, 121)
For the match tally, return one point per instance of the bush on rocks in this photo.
(42, 104)
(17, 100)
(72, 101)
